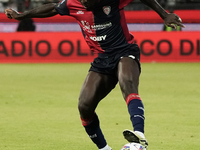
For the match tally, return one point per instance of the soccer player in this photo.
(105, 30)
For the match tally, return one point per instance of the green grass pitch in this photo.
(38, 107)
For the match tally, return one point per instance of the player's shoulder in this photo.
(65, 7)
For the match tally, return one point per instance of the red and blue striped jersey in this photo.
(105, 28)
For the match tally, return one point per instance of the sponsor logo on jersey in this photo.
(80, 12)
(107, 10)
(98, 38)
(101, 26)
(89, 28)
(86, 26)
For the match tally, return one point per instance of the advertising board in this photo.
(35, 47)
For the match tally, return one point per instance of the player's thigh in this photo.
(95, 87)
(128, 75)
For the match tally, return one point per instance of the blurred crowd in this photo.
(22, 5)
(167, 4)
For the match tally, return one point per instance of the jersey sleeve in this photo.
(62, 8)
(123, 3)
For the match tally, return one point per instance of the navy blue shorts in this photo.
(107, 63)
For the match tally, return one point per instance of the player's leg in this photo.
(128, 75)
(95, 88)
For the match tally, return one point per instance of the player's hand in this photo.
(12, 14)
(173, 20)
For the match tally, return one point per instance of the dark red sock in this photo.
(136, 111)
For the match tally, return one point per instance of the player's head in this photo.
(88, 4)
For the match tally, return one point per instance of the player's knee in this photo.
(84, 110)
(128, 85)
(127, 82)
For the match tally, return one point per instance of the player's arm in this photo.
(47, 10)
(170, 19)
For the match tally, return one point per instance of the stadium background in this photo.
(41, 73)
(156, 44)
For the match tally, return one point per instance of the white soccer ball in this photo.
(133, 146)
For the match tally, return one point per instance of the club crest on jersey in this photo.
(107, 10)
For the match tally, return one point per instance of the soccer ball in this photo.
(133, 146)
